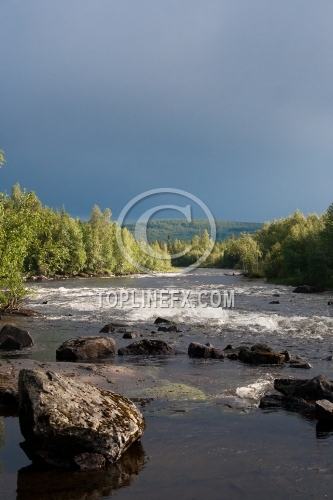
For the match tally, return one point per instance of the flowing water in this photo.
(205, 436)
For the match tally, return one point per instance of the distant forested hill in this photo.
(183, 230)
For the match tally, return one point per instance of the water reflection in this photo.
(34, 483)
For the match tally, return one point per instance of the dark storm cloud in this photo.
(231, 100)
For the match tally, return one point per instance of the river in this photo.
(206, 435)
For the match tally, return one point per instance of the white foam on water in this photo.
(255, 390)
(84, 303)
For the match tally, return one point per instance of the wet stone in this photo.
(21, 336)
(147, 347)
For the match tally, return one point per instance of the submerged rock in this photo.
(82, 348)
(62, 419)
(258, 357)
(147, 347)
(196, 350)
(21, 336)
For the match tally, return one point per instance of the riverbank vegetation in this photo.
(294, 250)
(37, 240)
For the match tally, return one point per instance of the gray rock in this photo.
(324, 410)
(316, 388)
(109, 328)
(17, 334)
(61, 418)
(298, 363)
(89, 461)
(287, 403)
(147, 347)
(261, 347)
(11, 344)
(130, 335)
(196, 350)
(124, 330)
(159, 320)
(258, 357)
(81, 348)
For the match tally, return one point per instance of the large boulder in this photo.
(196, 350)
(147, 347)
(10, 344)
(20, 336)
(81, 348)
(258, 357)
(69, 423)
(317, 388)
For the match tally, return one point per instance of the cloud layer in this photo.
(230, 100)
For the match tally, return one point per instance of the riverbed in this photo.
(205, 435)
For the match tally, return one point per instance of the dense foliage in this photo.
(36, 240)
(297, 249)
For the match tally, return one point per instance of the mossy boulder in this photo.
(61, 419)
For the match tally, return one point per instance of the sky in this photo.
(231, 101)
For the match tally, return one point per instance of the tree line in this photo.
(297, 249)
(37, 240)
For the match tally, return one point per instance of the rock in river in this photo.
(147, 347)
(317, 388)
(82, 348)
(10, 344)
(20, 336)
(196, 350)
(324, 410)
(159, 320)
(257, 357)
(69, 423)
(109, 328)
